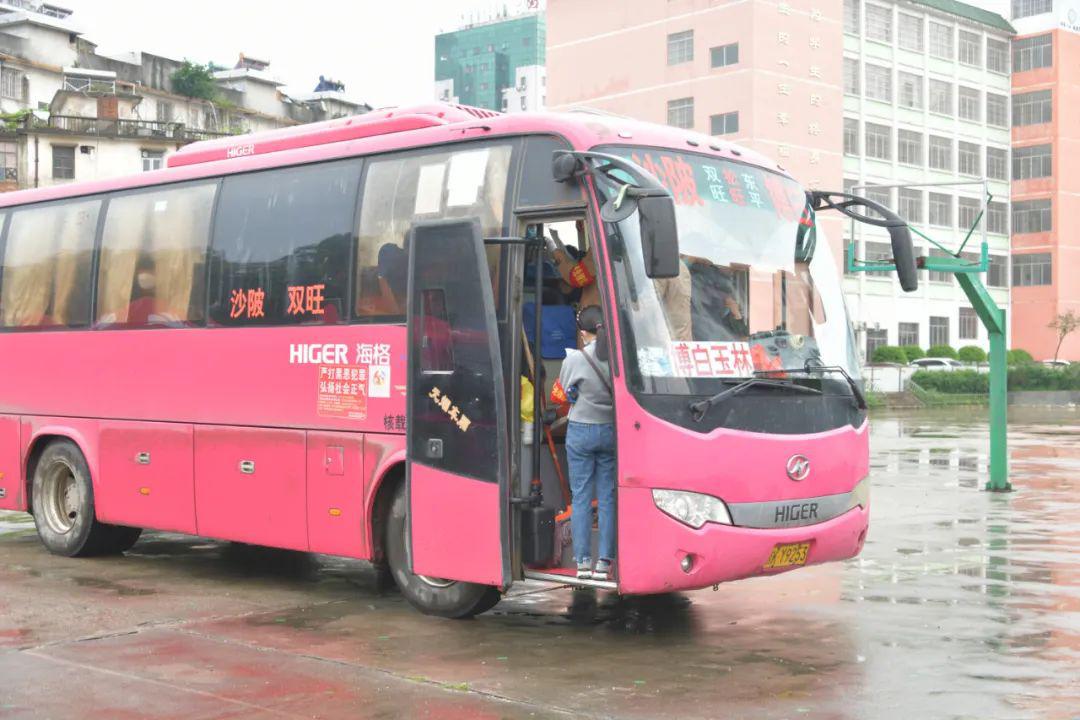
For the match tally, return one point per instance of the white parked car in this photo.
(937, 364)
(1056, 363)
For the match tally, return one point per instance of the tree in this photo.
(1064, 324)
(194, 80)
(971, 354)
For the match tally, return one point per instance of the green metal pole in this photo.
(993, 319)
(999, 401)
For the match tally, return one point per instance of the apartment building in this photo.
(1045, 172)
(926, 106)
(70, 112)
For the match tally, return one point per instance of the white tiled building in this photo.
(927, 88)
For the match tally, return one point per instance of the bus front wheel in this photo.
(63, 503)
(429, 595)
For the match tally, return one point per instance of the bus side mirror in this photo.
(903, 252)
(659, 235)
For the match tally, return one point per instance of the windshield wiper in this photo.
(856, 393)
(699, 409)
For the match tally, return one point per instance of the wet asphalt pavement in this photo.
(963, 604)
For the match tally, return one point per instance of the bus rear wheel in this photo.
(429, 595)
(63, 504)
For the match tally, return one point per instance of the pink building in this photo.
(765, 75)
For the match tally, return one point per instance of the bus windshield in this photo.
(758, 288)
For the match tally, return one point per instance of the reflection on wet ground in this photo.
(963, 604)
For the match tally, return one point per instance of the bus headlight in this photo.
(691, 508)
(860, 494)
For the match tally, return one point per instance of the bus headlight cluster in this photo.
(693, 509)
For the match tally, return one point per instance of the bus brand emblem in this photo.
(798, 467)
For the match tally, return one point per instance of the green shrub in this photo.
(194, 80)
(913, 352)
(971, 354)
(968, 382)
(941, 351)
(1016, 356)
(1027, 376)
(889, 354)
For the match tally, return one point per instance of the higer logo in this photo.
(318, 354)
(798, 467)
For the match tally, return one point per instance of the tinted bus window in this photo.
(400, 190)
(47, 265)
(281, 245)
(153, 258)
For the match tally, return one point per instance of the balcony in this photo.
(119, 128)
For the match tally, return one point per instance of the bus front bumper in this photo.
(657, 553)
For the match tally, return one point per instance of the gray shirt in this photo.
(593, 405)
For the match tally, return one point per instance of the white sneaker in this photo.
(584, 570)
(602, 571)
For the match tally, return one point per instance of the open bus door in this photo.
(457, 456)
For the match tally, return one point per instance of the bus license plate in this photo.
(788, 555)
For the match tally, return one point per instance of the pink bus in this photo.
(314, 338)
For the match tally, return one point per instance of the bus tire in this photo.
(63, 498)
(431, 596)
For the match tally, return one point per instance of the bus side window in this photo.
(402, 189)
(47, 265)
(280, 252)
(153, 257)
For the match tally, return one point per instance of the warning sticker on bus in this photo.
(343, 391)
(697, 360)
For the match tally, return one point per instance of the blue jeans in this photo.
(590, 452)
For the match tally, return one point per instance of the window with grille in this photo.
(874, 340)
(152, 159)
(997, 112)
(969, 159)
(941, 97)
(939, 330)
(1033, 53)
(910, 93)
(1032, 108)
(997, 218)
(724, 55)
(11, 84)
(910, 205)
(997, 274)
(1034, 161)
(997, 163)
(909, 147)
(908, 334)
(851, 76)
(939, 276)
(63, 162)
(1031, 216)
(851, 136)
(851, 17)
(941, 153)
(880, 195)
(724, 123)
(969, 103)
(680, 47)
(878, 23)
(941, 40)
(878, 141)
(9, 159)
(997, 56)
(878, 252)
(968, 326)
(878, 83)
(940, 209)
(1027, 8)
(1031, 269)
(969, 48)
(967, 210)
(910, 32)
(680, 113)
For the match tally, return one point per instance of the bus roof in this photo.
(395, 129)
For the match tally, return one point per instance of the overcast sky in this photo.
(382, 51)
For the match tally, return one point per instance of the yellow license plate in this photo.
(788, 555)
